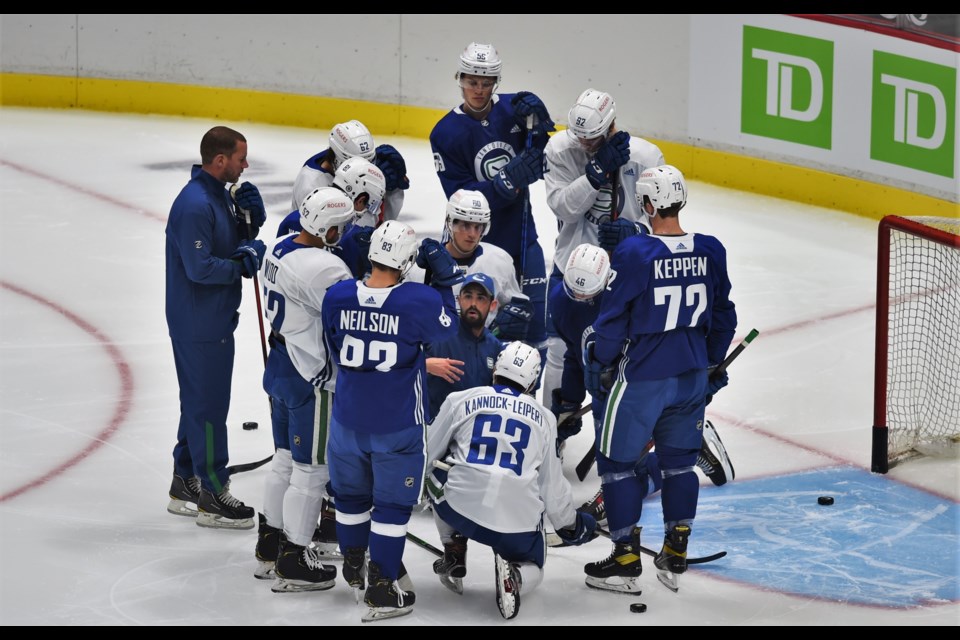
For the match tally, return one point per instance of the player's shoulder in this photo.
(493, 253)
(644, 151)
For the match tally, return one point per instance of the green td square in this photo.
(787, 87)
(913, 119)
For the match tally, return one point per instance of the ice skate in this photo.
(452, 567)
(183, 492)
(223, 511)
(620, 572)
(268, 548)
(508, 579)
(672, 559)
(713, 459)
(385, 598)
(300, 569)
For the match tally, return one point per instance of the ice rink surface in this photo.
(89, 411)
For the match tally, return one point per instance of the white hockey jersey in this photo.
(310, 179)
(578, 206)
(295, 278)
(494, 262)
(501, 446)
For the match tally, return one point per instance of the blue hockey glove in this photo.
(523, 170)
(583, 529)
(513, 320)
(567, 424)
(247, 197)
(597, 377)
(434, 256)
(715, 383)
(610, 157)
(526, 104)
(394, 169)
(249, 254)
(612, 233)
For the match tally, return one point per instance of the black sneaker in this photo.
(620, 571)
(223, 511)
(325, 535)
(268, 549)
(713, 459)
(183, 491)
(452, 567)
(385, 597)
(509, 583)
(596, 508)
(672, 559)
(300, 569)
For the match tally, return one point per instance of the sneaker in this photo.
(268, 549)
(596, 508)
(385, 597)
(300, 569)
(325, 535)
(620, 571)
(508, 586)
(223, 511)
(452, 567)
(183, 491)
(672, 559)
(355, 569)
(713, 459)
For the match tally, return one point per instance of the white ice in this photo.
(89, 408)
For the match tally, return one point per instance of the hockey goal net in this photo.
(917, 376)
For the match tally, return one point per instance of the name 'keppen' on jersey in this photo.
(358, 320)
(680, 267)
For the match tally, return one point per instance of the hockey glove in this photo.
(526, 104)
(248, 198)
(612, 233)
(513, 320)
(567, 424)
(249, 254)
(523, 170)
(434, 256)
(610, 157)
(597, 377)
(715, 383)
(583, 529)
(394, 169)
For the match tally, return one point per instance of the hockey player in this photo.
(209, 248)
(350, 140)
(300, 379)
(376, 330)
(496, 472)
(657, 333)
(581, 167)
(467, 222)
(486, 145)
(474, 347)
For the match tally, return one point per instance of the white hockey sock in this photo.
(275, 486)
(302, 502)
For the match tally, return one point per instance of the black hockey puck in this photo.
(825, 500)
(638, 607)
(250, 426)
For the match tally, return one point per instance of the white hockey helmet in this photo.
(357, 176)
(324, 209)
(349, 140)
(592, 114)
(469, 206)
(664, 186)
(479, 60)
(394, 244)
(588, 272)
(518, 362)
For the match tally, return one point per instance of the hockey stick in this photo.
(590, 457)
(652, 553)
(256, 279)
(526, 210)
(248, 466)
(423, 544)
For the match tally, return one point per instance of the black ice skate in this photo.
(325, 535)
(596, 508)
(355, 569)
(620, 572)
(182, 492)
(507, 575)
(385, 597)
(299, 569)
(672, 559)
(452, 567)
(713, 459)
(223, 511)
(268, 549)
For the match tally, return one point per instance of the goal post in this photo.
(917, 369)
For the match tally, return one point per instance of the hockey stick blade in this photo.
(650, 552)
(248, 466)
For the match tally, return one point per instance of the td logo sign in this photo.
(913, 123)
(787, 87)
